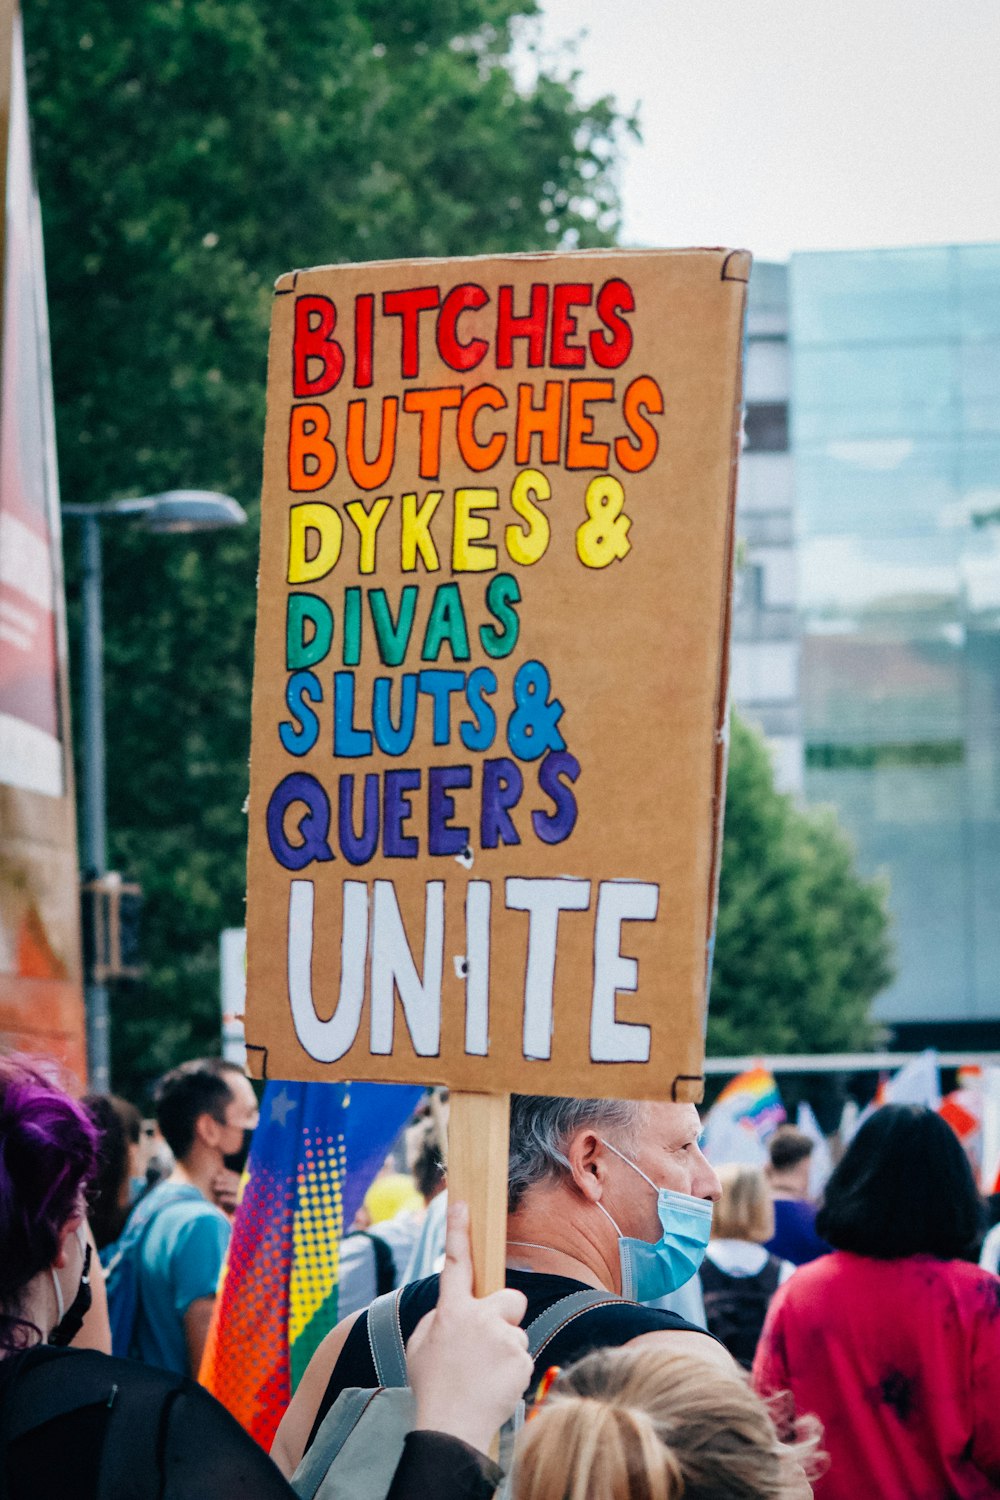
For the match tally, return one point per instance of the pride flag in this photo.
(752, 1098)
(744, 1116)
(314, 1155)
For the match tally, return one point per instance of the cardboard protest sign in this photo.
(490, 674)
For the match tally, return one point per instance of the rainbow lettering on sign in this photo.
(508, 773)
(421, 718)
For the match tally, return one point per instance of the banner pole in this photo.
(8, 15)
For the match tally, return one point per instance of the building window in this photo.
(766, 426)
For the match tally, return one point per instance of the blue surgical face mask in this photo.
(651, 1271)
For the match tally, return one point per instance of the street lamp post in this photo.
(171, 511)
(95, 859)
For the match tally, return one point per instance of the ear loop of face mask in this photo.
(653, 1270)
(629, 1162)
(81, 1240)
(60, 1299)
(81, 1301)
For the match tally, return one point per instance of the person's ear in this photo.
(208, 1130)
(588, 1159)
(67, 1233)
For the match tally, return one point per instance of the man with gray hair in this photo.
(608, 1195)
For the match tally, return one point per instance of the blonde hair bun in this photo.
(634, 1424)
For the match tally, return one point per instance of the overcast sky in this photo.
(785, 125)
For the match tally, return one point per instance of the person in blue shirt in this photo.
(795, 1238)
(206, 1111)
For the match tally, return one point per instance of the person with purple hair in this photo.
(75, 1423)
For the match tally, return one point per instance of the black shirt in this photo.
(600, 1328)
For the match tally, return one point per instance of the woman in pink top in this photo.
(893, 1341)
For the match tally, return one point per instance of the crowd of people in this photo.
(671, 1330)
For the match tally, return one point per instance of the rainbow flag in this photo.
(753, 1099)
(314, 1155)
(745, 1115)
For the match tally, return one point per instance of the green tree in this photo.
(188, 152)
(802, 944)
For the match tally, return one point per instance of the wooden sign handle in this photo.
(478, 1131)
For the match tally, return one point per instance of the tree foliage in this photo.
(188, 152)
(802, 944)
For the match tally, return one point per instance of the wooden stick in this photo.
(478, 1131)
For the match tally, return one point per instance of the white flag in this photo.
(821, 1161)
(850, 1118)
(917, 1082)
(730, 1140)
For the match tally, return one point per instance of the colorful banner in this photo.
(31, 753)
(488, 753)
(314, 1155)
(41, 1001)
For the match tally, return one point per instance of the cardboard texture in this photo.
(488, 750)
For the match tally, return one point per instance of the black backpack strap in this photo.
(56, 1382)
(771, 1276)
(713, 1277)
(385, 1266)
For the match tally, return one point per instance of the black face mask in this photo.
(237, 1160)
(71, 1322)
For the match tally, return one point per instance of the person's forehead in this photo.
(241, 1089)
(671, 1124)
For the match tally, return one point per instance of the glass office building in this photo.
(895, 436)
(765, 652)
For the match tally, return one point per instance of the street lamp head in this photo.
(170, 511)
(189, 510)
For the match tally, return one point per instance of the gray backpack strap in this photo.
(554, 1319)
(356, 1450)
(385, 1339)
(540, 1332)
(350, 1406)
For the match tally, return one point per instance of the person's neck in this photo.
(198, 1169)
(38, 1308)
(781, 1187)
(551, 1234)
